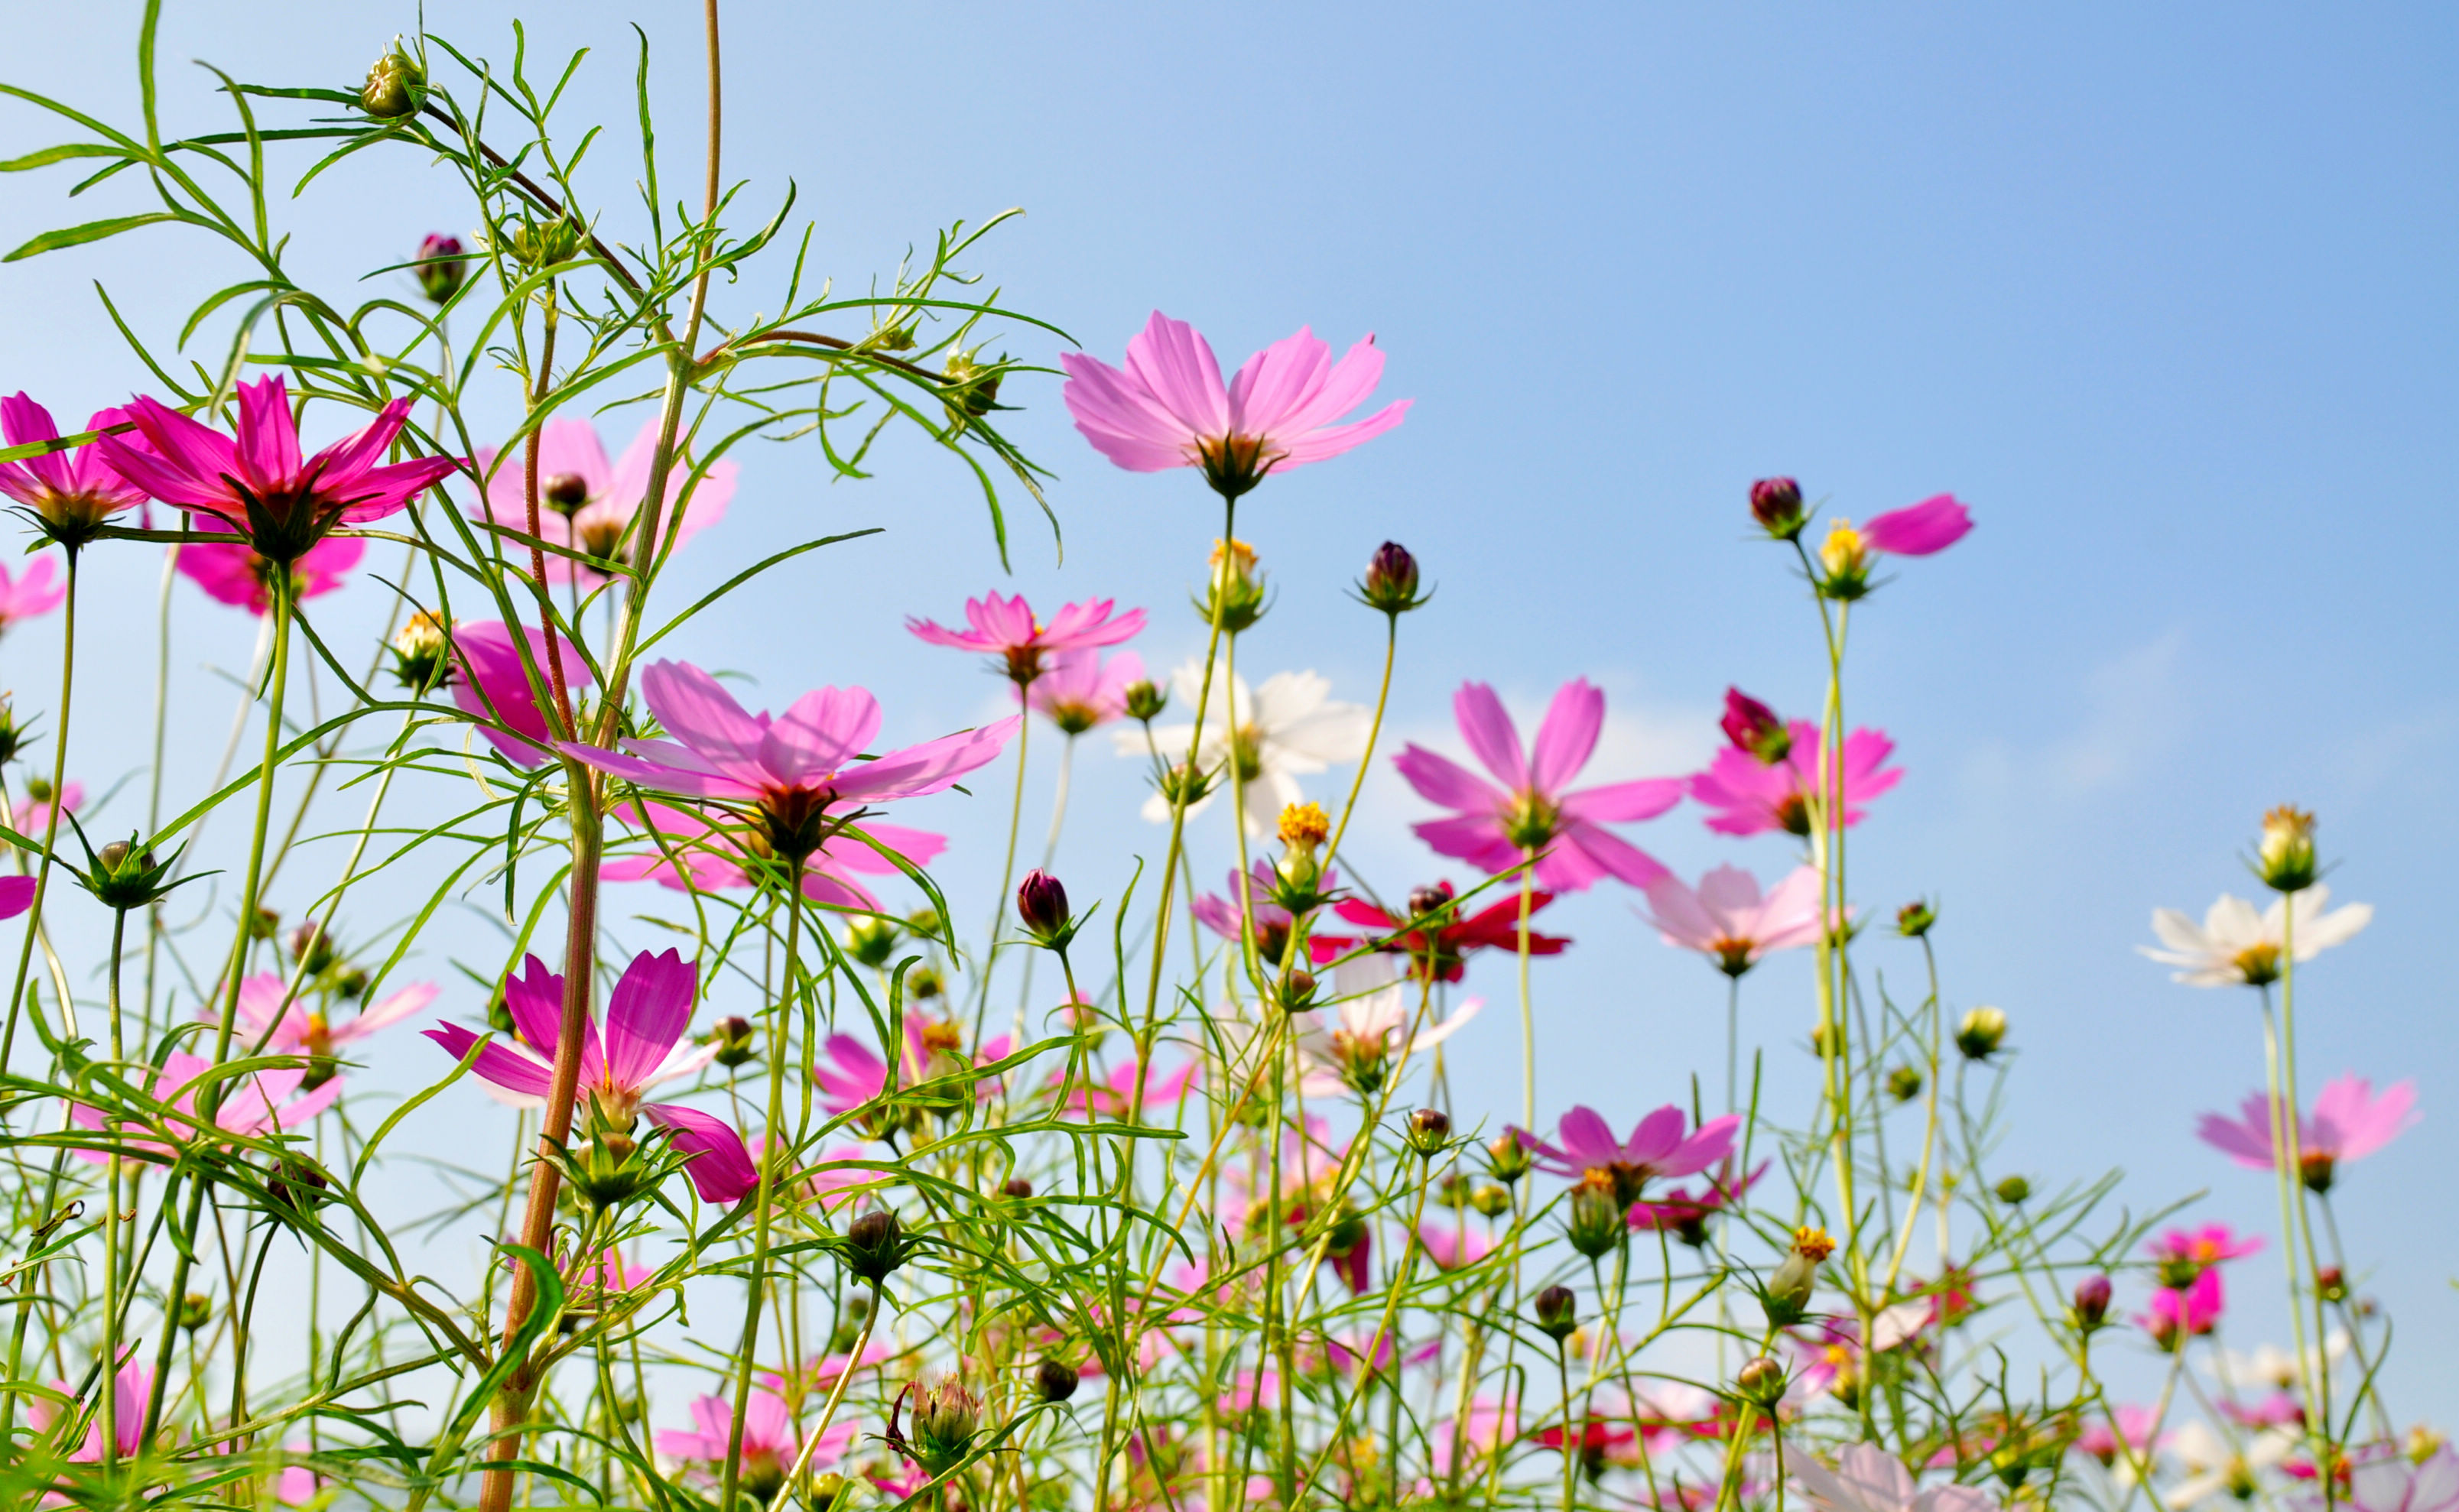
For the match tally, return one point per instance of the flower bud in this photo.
(309, 944)
(870, 942)
(1430, 1129)
(1754, 728)
(1558, 1312)
(733, 1037)
(1596, 1222)
(1980, 1033)
(1914, 920)
(2013, 1190)
(12, 734)
(1429, 903)
(1508, 1157)
(1775, 503)
(1297, 994)
(2090, 1309)
(1847, 563)
(1489, 1201)
(393, 85)
(196, 1311)
(2317, 1169)
(1788, 1290)
(828, 1492)
(946, 1417)
(2331, 1284)
(1146, 701)
(443, 267)
(124, 875)
(533, 244)
(875, 1246)
(265, 924)
(972, 388)
(1183, 786)
(2285, 859)
(422, 659)
(923, 984)
(1054, 1380)
(1905, 1082)
(564, 492)
(1391, 582)
(1760, 1382)
(1233, 591)
(1042, 908)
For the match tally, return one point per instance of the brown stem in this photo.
(529, 498)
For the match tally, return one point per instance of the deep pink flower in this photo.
(2349, 1122)
(30, 593)
(647, 1017)
(1753, 797)
(256, 484)
(262, 1103)
(587, 506)
(769, 1446)
(1167, 409)
(2185, 1253)
(304, 1031)
(1007, 628)
(1656, 1148)
(1727, 920)
(1917, 530)
(233, 574)
(1107, 1097)
(494, 688)
(1493, 927)
(1533, 812)
(852, 1072)
(1686, 1215)
(793, 768)
(717, 853)
(16, 896)
(1079, 689)
(2176, 1315)
(75, 491)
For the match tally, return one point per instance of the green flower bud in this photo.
(1980, 1033)
(1558, 1312)
(393, 86)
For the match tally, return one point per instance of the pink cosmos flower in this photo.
(647, 1017)
(2394, 1483)
(1223, 916)
(1754, 797)
(1079, 690)
(1361, 1034)
(716, 855)
(1868, 1479)
(494, 688)
(256, 485)
(2349, 1122)
(587, 506)
(2128, 1429)
(2177, 1314)
(1919, 530)
(30, 593)
(1167, 409)
(1107, 1097)
(1451, 1248)
(16, 896)
(132, 1388)
(2279, 1410)
(1007, 628)
(1686, 1215)
(74, 492)
(301, 1030)
(790, 770)
(233, 574)
(1533, 812)
(263, 1103)
(32, 814)
(2185, 1253)
(1656, 1148)
(770, 1445)
(1727, 920)
(851, 1074)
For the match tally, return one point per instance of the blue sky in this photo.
(2162, 292)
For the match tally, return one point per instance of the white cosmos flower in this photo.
(2214, 1468)
(2270, 1365)
(2236, 947)
(1867, 1479)
(1288, 727)
(1368, 1025)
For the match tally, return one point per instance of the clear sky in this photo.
(2163, 292)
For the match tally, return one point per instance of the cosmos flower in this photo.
(1363, 1032)
(1290, 728)
(587, 506)
(1452, 936)
(30, 593)
(493, 687)
(1107, 1097)
(720, 852)
(256, 485)
(2349, 1122)
(1656, 1148)
(75, 492)
(2237, 947)
(851, 1074)
(2185, 1253)
(1008, 629)
(1685, 1215)
(1079, 690)
(1223, 914)
(2128, 1429)
(132, 1388)
(2216, 1466)
(2398, 1483)
(1167, 409)
(1453, 1249)
(769, 1446)
(1919, 530)
(1868, 1479)
(233, 574)
(32, 813)
(1535, 810)
(2181, 1313)
(255, 1106)
(1751, 796)
(1728, 921)
(302, 1030)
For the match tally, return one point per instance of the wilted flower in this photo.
(2349, 1122)
(2234, 946)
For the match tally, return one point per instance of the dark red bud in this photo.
(2092, 1300)
(1042, 905)
(1754, 728)
(1775, 503)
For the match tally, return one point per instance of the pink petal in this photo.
(1175, 363)
(646, 1013)
(1568, 736)
(1440, 780)
(928, 768)
(1477, 839)
(1343, 388)
(1272, 387)
(1490, 735)
(819, 734)
(1322, 444)
(269, 438)
(699, 712)
(1623, 802)
(505, 1068)
(1124, 423)
(1917, 530)
(1610, 851)
(720, 1167)
(572, 445)
(16, 896)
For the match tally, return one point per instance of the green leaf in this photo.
(516, 1348)
(91, 231)
(60, 153)
(360, 1168)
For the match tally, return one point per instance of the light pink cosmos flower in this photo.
(1107, 1097)
(1919, 530)
(2394, 1483)
(132, 1388)
(1532, 811)
(1079, 690)
(2349, 1122)
(717, 855)
(1007, 629)
(32, 815)
(1868, 1479)
(1727, 920)
(2128, 1429)
(647, 1017)
(74, 492)
(30, 593)
(492, 686)
(1657, 1147)
(1167, 409)
(851, 1074)
(770, 1446)
(260, 1105)
(1451, 1248)
(301, 1030)
(1754, 797)
(790, 770)
(586, 505)
(234, 574)
(256, 484)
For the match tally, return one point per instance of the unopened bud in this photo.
(2092, 1297)
(973, 385)
(1489, 1200)
(1146, 701)
(1760, 1382)
(1429, 902)
(2013, 1190)
(1042, 908)
(1596, 1222)
(1914, 920)
(1430, 1129)
(1905, 1082)
(1017, 1189)
(1297, 994)
(1980, 1033)
(264, 924)
(564, 492)
(1775, 503)
(391, 88)
(1508, 1157)
(2331, 1284)
(12, 734)
(1233, 589)
(2285, 859)
(875, 1246)
(1557, 1311)
(443, 267)
(870, 942)
(421, 655)
(196, 1311)
(733, 1037)
(1754, 728)
(1847, 563)
(308, 945)
(922, 983)
(1789, 1288)
(1391, 582)
(1055, 1379)
(946, 1417)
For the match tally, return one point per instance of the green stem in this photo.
(1527, 1012)
(52, 825)
(1007, 877)
(773, 1155)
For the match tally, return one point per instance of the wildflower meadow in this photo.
(805, 1177)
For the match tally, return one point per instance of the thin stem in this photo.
(1007, 879)
(1528, 1013)
(774, 1153)
(51, 823)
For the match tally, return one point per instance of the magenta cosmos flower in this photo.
(1007, 628)
(261, 1104)
(31, 593)
(788, 771)
(852, 1075)
(1656, 1148)
(73, 492)
(769, 1446)
(256, 484)
(2178, 1314)
(692, 851)
(1167, 409)
(2349, 1122)
(1751, 796)
(1726, 919)
(2183, 1254)
(233, 574)
(1079, 690)
(493, 687)
(1533, 812)
(132, 1389)
(647, 1017)
(298, 1029)
(587, 505)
